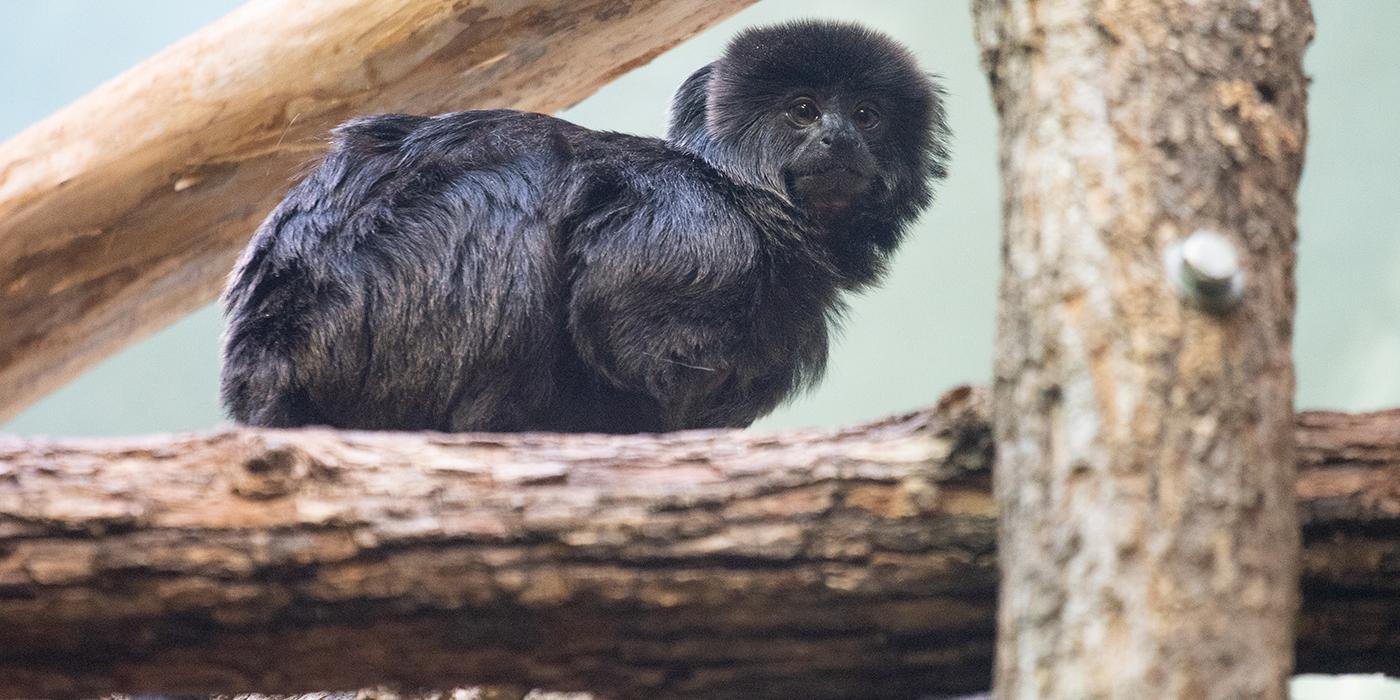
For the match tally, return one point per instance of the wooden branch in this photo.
(126, 210)
(1144, 443)
(1348, 492)
(851, 563)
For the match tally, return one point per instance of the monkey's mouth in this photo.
(829, 190)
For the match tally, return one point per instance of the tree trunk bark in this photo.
(125, 211)
(836, 564)
(1146, 445)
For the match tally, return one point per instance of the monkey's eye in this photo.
(866, 117)
(803, 112)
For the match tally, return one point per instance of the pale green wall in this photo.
(929, 327)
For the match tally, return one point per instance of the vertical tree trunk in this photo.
(1145, 457)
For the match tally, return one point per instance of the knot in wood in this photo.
(270, 468)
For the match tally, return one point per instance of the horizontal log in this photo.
(125, 210)
(818, 564)
(1349, 509)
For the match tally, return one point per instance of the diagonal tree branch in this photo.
(125, 210)
(849, 563)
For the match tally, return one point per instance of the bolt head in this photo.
(1210, 256)
(1205, 271)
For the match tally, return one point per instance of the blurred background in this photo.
(930, 326)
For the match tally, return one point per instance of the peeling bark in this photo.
(831, 564)
(125, 210)
(1145, 447)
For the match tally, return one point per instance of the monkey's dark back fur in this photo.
(498, 270)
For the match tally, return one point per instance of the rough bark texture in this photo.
(1348, 492)
(1145, 447)
(854, 563)
(703, 565)
(125, 210)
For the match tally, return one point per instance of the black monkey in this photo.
(498, 270)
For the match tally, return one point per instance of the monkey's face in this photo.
(831, 163)
(835, 116)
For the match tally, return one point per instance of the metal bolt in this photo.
(1205, 270)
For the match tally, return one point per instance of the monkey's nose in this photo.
(838, 143)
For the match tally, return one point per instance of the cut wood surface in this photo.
(820, 564)
(125, 211)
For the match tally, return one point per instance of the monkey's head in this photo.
(836, 117)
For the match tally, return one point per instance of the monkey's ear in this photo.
(687, 129)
